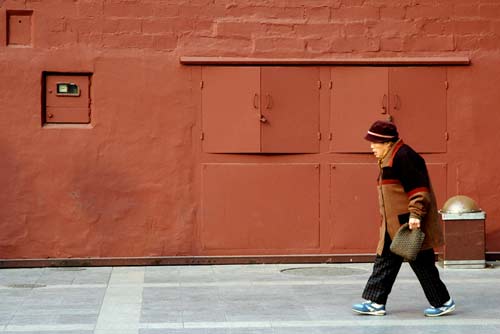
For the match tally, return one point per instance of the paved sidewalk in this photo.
(264, 299)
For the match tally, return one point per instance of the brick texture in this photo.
(282, 27)
(395, 13)
(437, 27)
(490, 11)
(392, 44)
(437, 43)
(271, 44)
(239, 29)
(317, 14)
(355, 13)
(472, 27)
(466, 43)
(429, 11)
(360, 44)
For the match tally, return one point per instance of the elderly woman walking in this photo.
(405, 196)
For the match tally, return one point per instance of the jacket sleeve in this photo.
(412, 173)
(418, 202)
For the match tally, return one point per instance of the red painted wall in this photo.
(128, 184)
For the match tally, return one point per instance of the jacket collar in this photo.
(387, 160)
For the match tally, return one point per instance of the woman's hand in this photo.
(414, 223)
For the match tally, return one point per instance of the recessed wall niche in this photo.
(66, 98)
(19, 27)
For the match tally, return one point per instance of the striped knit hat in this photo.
(381, 132)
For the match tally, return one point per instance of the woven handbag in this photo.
(407, 243)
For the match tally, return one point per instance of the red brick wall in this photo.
(127, 186)
(298, 28)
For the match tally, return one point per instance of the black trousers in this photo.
(386, 268)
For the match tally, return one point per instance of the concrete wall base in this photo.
(463, 264)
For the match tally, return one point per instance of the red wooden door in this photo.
(231, 109)
(438, 175)
(358, 98)
(418, 106)
(354, 211)
(257, 207)
(290, 106)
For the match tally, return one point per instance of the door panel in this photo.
(357, 100)
(67, 107)
(418, 106)
(259, 207)
(354, 211)
(354, 208)
(230, 109)
(437, 173)
(290, 105)
(53, 99)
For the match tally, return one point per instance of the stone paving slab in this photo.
(236, 299)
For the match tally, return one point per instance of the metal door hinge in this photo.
(446, 84)
(201, 84)
(446, 136)
(330, 136)
(319, 84)
(330, 85)
(319, 135)
(202, 136)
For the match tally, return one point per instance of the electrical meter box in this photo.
(67, 98)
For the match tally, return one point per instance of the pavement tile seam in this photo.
(243, 284)
(367, 322)
(236, 284)
(48, 328)
(122, 301)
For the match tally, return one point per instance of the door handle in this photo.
(397, 102)
(256, 101)
(263, 119)
(384, 104)
(269, 101)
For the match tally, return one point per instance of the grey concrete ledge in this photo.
(464, 216)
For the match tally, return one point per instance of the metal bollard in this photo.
(464, 234)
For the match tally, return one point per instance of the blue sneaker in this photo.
(447, 307)
(369, 307)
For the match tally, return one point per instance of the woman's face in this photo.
(380, 149)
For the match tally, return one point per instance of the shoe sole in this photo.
(370, 312)
(451, 309)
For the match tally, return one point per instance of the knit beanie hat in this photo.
(381, 132)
